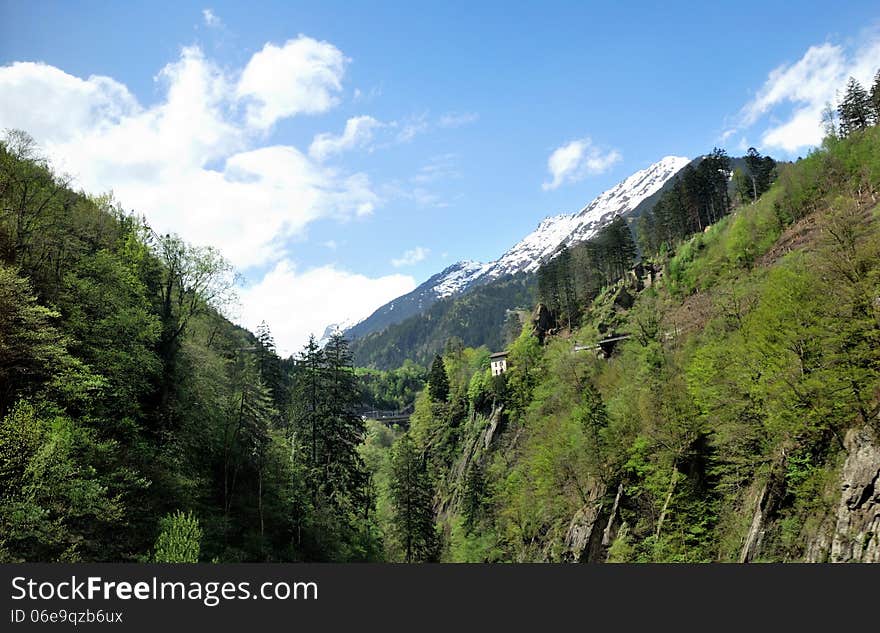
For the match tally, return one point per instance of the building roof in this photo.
(498, 355)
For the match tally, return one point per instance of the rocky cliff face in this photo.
(583, 539)
(854, 534)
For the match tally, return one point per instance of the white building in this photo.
(498, 362)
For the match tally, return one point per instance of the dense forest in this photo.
(480, 317)
(137, 422)
(140, 424)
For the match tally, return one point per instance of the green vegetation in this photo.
(179, 539)
(391, 390)
(126, 396)
(137, 423)
(480, 317)
(750, 358)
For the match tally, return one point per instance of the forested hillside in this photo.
(483, 316)
(739, 421)
(482, 313)
(137, 422)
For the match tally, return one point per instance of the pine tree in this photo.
(246, 433)
(412, 498)
(594, 418)
(472, 501)
(327, 431)
(180, 539)
(309, 379)
(567, 296)
(270, 366)
(856, 110)
(875, 97)
(438, 381)
(760, 170)
(344, 472)
(753, 164)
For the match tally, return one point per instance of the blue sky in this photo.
(227, 122)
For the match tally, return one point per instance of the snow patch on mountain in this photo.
(457, 277)
(568, 229)
(529, 253)
(341, 327)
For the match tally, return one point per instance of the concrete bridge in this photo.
(605, 346)
(390, 417)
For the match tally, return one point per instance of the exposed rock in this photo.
(494, 421)
(624, 299)
(636, 277)
(610, 528)
(857, 530)
(542, 321)
(653, 273)
(583, 540)
(475, 445)
(818, 548)
(766, 503)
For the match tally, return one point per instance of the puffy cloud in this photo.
(576, 160)
(194, 163)
(358, 133)
(186, 162)
(303, 76)
(792, 98)
(323, 295)
(410, 257)
(54, 106)
(211, 19)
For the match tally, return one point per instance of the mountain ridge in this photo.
(527, 255)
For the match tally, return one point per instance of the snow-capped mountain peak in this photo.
(530, 252)
(553, 232)
(457, 277)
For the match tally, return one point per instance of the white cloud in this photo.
(576, 160)
(358, 133)
(304, 76)
(412, 127)
(211, 19)
(323, 295)
(793, 96)
(54, 106)
(192, 162)
(156, 158)
(410, 257)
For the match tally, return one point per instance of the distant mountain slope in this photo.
(527, 255)
(451, 281)
(479, 317)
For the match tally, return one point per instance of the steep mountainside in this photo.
(451, 281)
(483, 316)
(735, 418)
(627, 197)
